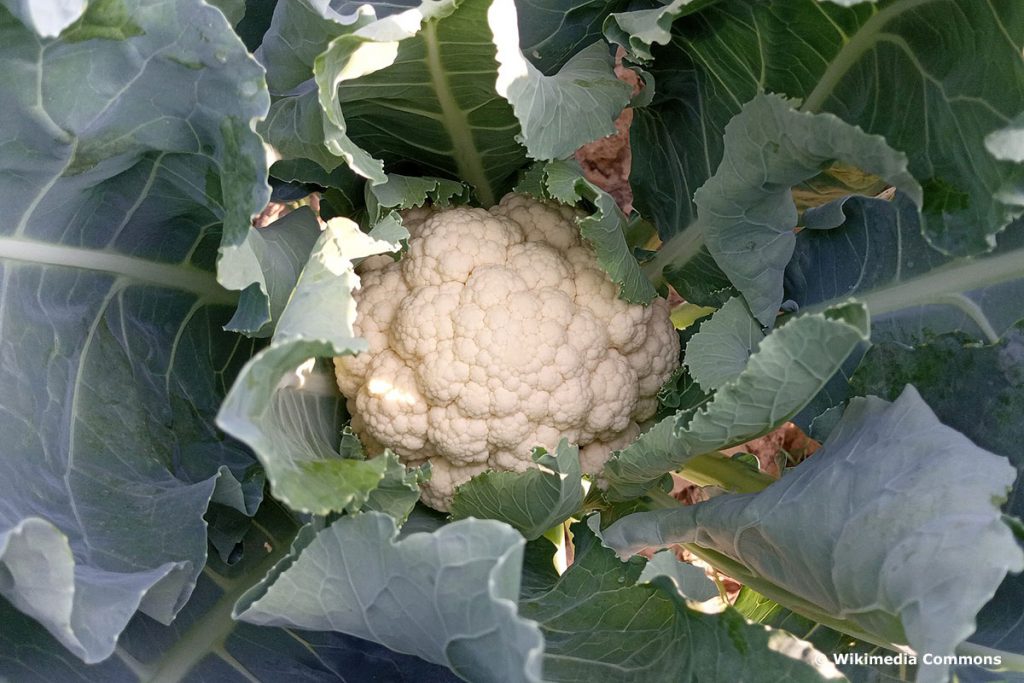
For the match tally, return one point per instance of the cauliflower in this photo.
(498, 332)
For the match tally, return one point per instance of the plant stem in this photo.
(208, 633)
(456, 122)
(715, 469)
(660, 500)
(679, 249)
(1011, 661)
(853, 49)
(795, 603)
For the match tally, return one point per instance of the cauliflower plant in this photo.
(498, 332)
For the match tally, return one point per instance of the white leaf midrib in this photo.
(177, 276)
(455, 121)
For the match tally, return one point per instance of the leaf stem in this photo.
(853, 49)
(735, 570)
(464, 150)
(208, 633)
(1011, 660)
(679, 249)
(661, 500)
(715, 469)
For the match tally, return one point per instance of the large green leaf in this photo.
(205, 643)
(129, 157)
(603, 620)
(746, 210)
(983, 399)
(790, 366)
(446, 596)
(872, 249)
(285, 406)
(934, 77)
(531, 501)
(419, 89)
(878, 534)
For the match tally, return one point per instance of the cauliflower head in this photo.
(497, 332)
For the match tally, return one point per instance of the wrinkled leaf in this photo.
(532, 501)
(129, 157)
(447, 596)
(639, 30)
(907, 70)
(788, 369)
(600, 622)
(399, 490)
(746, 208)
(718, 353)
(862, 535)
(285, 407)
(402, 192)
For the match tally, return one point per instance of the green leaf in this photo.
(718, 353)
(403, 192)
(977, 389)
(872, 249)
(205, 643)
(282, 252)
(399, 490)
(447, 596)
(690, 581)
(696, 277)
(531, 501)
(640, 29)
(867, 539)
(600, 622)
(285, 407)
(790, 366)
(604, 229)
(386, 93)
(552, 31)
(562, 112)
(746, 208)
(908, 70)
(129, 157)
